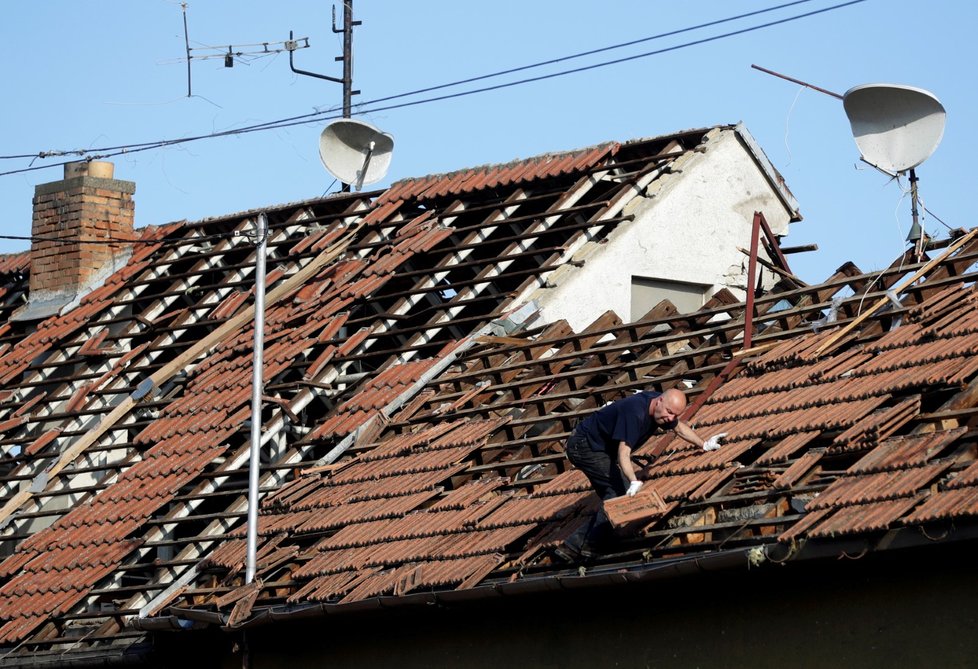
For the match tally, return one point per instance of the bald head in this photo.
(668, 406)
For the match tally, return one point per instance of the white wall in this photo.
(687, 227)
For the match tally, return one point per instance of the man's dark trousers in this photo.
(605, 476)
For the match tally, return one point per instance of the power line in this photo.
(317, 116)
(115, 241)
(612, 47)
(108, 152)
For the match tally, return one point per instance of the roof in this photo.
(414, 412)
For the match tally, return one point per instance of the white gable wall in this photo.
(688, 226)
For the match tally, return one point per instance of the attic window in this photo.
(648, 292)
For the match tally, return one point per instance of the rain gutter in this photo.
(598, 578)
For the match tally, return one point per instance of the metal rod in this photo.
(348, 72)
(751, 274)
(918, 240)
(261, 225)
(186, 42)
(305, 72)
(803, 248)
(796, 81)
(347, 57)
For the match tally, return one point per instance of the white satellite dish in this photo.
(896, 127)
(355, 152)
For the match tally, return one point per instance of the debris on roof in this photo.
(411, 448)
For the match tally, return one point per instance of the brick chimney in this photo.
(86, 209)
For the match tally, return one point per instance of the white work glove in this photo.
(713, 443)
(633, 488)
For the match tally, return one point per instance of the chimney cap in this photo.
(101, 169)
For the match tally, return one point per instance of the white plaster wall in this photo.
(687, 227)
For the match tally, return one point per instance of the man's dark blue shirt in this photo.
(625, 420)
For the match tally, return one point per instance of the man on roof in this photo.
(602, 444)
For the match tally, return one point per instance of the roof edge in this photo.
(770, 171)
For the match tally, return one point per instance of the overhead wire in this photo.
(115, 241)
(365, 107)
(318, 114)
(591, 52)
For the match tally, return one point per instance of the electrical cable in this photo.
(313, 117)
(317, 114)
(553, 61)
(121, 242)
(935, 216)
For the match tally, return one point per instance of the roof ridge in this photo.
(515, 162)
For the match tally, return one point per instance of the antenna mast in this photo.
(347, 56)
(347, 59)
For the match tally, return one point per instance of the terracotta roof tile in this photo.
(786, 447)
(338, 516)
(533, 509)
(803, 466)
(859, 489)
(906, 451)
(470, 493)
(947, 504)
(324, 588)
(862, 518)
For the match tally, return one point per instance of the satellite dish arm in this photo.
(308, 74)
(366, 164)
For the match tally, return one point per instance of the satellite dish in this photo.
(896, 127)
(355, 152)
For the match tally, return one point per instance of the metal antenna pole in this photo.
(261, 225)
(347, 56)
(347, 59)
(186, 43)
(916, 233)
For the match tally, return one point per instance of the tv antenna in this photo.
(241, 52)
(232, 52)
(896, 128)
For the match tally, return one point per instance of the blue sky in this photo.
(89, 74)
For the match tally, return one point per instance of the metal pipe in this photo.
(348, 59)
(306, 72)
(186, 43)
(916, 233)
(261, 229)
(796, 81)
(751, 278)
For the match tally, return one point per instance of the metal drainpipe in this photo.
(261, 225)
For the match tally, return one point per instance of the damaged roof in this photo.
(414, 413)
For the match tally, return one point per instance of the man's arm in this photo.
(627, 468)
(686, 433)
(625, 462)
